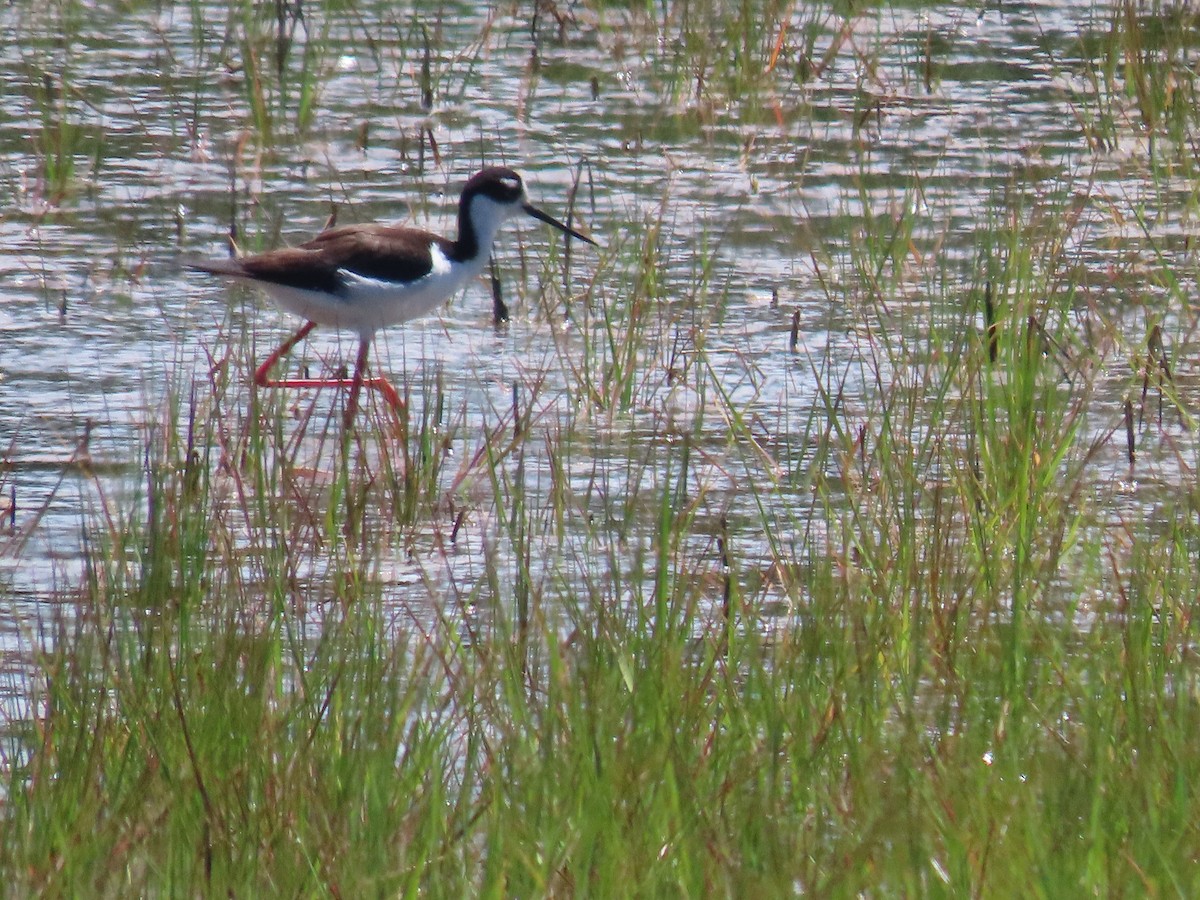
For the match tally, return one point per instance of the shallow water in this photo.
(764, 180)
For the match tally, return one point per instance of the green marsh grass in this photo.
(246, 702)
(69, 149)
(281, 54)
(1139, 81)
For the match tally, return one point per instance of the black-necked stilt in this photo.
(366, 277)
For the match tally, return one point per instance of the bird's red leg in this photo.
(379, 383)
(356, 383)
(262, 373)
(384, 387)
(359, 381)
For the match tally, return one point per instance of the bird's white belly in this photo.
(368, 304)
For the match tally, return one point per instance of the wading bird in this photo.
(366, 277)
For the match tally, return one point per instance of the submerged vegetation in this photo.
(832, 531)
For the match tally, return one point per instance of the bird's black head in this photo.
(506, 192)
(498, 183)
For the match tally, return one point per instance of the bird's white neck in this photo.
(477, 228)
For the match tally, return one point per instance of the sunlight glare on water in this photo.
(755, 191)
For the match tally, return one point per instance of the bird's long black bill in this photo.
(550, 220)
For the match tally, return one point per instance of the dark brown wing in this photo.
(379, 251)
(373, 251)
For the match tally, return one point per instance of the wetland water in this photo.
(736, 176)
